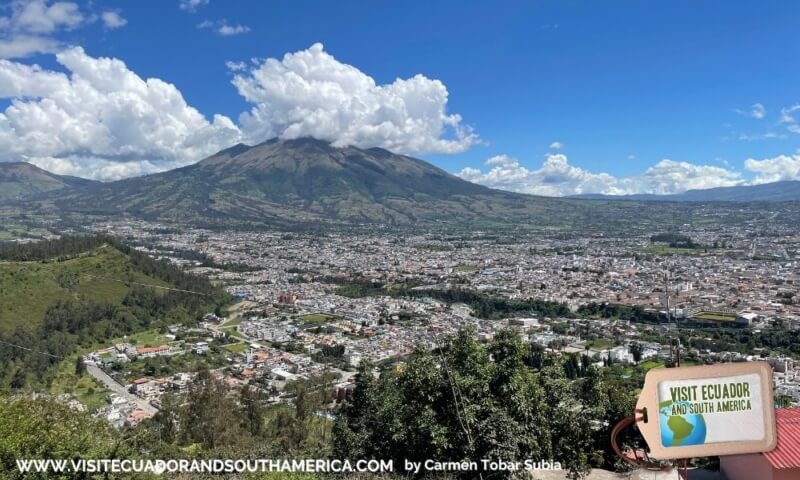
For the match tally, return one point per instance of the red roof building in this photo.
(783, 463)
(135, 417)
(787, 454)
(147, 352)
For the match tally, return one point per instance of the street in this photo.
(120, 390)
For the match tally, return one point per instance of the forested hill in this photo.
(56, 296)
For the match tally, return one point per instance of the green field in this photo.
(28, 289)
(714, 317)
(317, 318)
(84, 388)
(14, 231)
(236, 347)
(147, 338)
(650, 364)
(232, 323)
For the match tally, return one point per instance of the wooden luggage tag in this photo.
(723, 409)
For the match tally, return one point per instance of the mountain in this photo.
(305, 183)
(308, 181)
(785, 191)
(19, 180)
(767, 192)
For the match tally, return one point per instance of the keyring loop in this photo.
(635, 461)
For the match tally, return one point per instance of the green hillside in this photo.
(76, 292)
(29, 289)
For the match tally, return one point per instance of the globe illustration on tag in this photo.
(678, 430)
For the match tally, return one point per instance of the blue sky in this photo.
(623, 86)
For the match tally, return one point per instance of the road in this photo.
(120, 390)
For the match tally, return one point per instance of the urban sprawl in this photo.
(317, 305)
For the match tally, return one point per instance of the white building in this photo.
(353, 359)
(201, 348)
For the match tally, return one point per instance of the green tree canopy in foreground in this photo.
(46, 429)
(470, 401)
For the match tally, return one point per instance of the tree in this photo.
(80, 367)
(465, 400)
(19, 380)
(637, 350)
(210, 418)
(46, 429)
(252, 405)
(535, 358)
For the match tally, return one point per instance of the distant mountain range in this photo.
(301, 180)
(309, 181)
(20, 180)
(785, 191)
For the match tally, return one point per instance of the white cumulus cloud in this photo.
(670, 176)
(310, 93)
(98, 168)
(192, 5)
(782, 167)
(556, 177)
(112, 19)
(787, 114)
(235, 66)
(19, 46)
(101, 120)
(788, 118)
(500, 160)
(37, 16)
(758, 111)
(228, 30)
(29, 25)
(556, 145)
(223, 28)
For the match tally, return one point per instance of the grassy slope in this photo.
(28, 289)
(84, 388)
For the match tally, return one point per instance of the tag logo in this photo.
(711, 410)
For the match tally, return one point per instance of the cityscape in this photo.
(301, 293)
(357, 240)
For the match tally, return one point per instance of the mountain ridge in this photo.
(301, 180)
(20, 180)
(307, 183)
(781, 191)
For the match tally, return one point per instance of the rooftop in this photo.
(787, 453)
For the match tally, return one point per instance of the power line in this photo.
(456, 390)
(30, 349)
(128, 282)
(104, 278)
